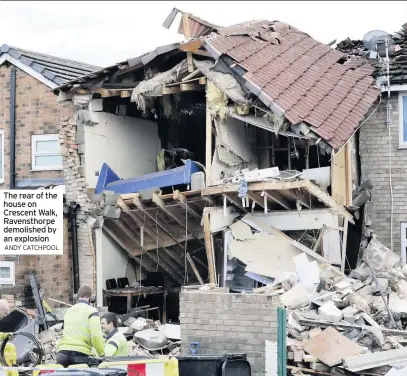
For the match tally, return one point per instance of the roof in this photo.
(299, 77)
(133, 63)
(398, 60)
(54, 71)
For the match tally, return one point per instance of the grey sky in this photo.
(106, 32)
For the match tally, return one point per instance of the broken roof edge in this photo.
(136, 62)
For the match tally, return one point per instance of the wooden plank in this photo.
(279, 199)
(338, 177)
(235, 202)
(202, 53)
(256, 198)
(344, 241)
(191, 45)
(208, 248)
(137, 202)
(193, 266)
(125, 94)
(348, 173)
(297, 195)
(160, 203)
(202, 80)
(171, 90)
(187, 34)
(128, 250)
(318, 242)
(191, 87)
(82, 91)
(178, 196)
(208, 146)
(191, 75)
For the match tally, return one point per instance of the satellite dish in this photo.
(375, 42)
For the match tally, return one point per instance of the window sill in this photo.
(47, 169)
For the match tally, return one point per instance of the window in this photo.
(45, 153)
(403, 119)
(1, 156)
(7, 273)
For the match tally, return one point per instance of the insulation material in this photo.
(226, 83)
(217, 101)
(218, 221)
(241, 231)
(153, 86)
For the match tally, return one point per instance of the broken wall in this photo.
(128, 145)
(375, 163)
(115, 261)
(235, 149)
(229, 323)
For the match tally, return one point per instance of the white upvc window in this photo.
(7, 273)
(403, 240)
(403, 119)
(45, 152)
(1, 156)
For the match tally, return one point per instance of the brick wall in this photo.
(229, 323)
(37, 112)
(374, 155)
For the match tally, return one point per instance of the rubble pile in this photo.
(356, 322)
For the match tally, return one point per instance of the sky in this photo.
(106, 32)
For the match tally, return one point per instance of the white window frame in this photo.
(403, 240)
(2, 156)
(402, 143)
(12, 279)
(43, 137)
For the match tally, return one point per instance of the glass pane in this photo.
(48, 160)
(48, 146)
(4, 272)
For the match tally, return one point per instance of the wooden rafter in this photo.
(278, 198)
(235, 202)
(194, 268)
(160, 203)
(183, 201)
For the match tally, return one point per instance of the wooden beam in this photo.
(160, 203)
(126, 209)
(256, 198)
(202, 80)
(191, 87)
(278, 198)
(235, 202)
(201, 53)
(318, 242)
(191, 75)
(82, 91)
(178, 196)
(187, 34)
(137, 202)
(344, 241)
(271, 186)
(208, 146)
(208, 248)
(193, 266)
(128, 251)
(107, 93)
(171, 90)
(125, 94)
(297, 195)
(191, 45)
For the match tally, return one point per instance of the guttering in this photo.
(13, 127)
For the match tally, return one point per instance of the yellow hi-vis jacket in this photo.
(82, 330)
(116, 344)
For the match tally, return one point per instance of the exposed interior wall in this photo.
(115, 261)
(128, 145)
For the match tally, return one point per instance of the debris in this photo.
(172, 331)
(297, 297)
(372, 360)
(139, 324)
(330, 347)
(151, 339)
(330, 313)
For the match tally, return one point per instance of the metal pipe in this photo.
(12, 127)
(73, 208)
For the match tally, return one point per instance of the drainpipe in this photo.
(71, 212)
(12, 127)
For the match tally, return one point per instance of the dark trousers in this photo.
(67, 358)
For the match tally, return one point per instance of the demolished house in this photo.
(229, 159)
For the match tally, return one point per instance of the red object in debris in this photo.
(47, 371)
(136, 369)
